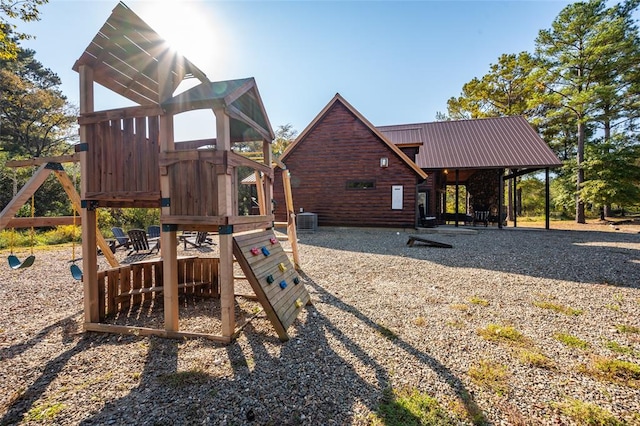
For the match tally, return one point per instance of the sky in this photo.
(396, 62)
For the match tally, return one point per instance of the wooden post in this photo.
(514, 172)
(500, 196)
(457, 194)
(168, 237)
(225, 208)
(546, 198)
(88, 214)
(291, 218)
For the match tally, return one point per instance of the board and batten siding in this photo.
(339, 149)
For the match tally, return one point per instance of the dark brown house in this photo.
(344, 170)
(352, 173)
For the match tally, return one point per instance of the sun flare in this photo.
(190, 28)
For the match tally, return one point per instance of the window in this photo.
(361, 184)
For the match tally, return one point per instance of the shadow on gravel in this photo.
(311, 379)
(607, 258)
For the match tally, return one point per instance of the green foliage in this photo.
(285, 135)
(24, 10)
(615, 370)
(490, 375)
(533, 196)
(502, 333)
(130, 218)
(504, 90)
(571, 341)
(478, 301)
(586, 413)
(410, 407)
(45, 412)
(624, 328)
(614, 346)
(535, 359)
(567, 310)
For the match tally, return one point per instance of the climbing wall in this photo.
(273, 278)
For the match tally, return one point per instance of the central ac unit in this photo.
(307, 222)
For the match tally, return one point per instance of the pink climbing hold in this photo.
(255, 251)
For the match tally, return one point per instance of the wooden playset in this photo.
(129, 158)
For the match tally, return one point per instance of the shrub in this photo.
(490, 375)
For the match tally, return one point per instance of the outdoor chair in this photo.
(153, 231)
(481, 216)
(140, 244)
(196, 240)
(122, 240)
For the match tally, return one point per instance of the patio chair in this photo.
(140, 242)
(196, 240)
(153, 231)
(122, 240)
(481, 216)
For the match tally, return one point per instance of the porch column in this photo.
(515, 197)
(546, 198)
(457, 193)
(500, 196)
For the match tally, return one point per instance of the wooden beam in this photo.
(120, 113)
(37, 161)
(144, 331)
(292, 233)
(89, 252)
(23, 195)
(70, 189)
(38, 222)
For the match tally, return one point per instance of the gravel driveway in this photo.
(542, 308)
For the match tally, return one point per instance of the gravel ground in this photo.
(384, 315)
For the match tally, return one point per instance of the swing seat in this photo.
(76, 272)
(15, 263)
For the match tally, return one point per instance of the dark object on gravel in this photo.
(428, 243)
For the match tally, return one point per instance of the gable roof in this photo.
(126, 56)
(240, 98)
(500, 142)
(338, 98)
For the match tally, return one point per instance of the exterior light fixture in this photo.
(384, 162)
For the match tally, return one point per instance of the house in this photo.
(352, 173)
(348, 173)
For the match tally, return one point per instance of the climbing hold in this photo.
(255, 251)
(296, 280)
(283, 284)
(265, 251)
(269, 279)
(282, 267)
(298, 303)
(273, 240)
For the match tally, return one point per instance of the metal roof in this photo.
(500, 142)
(126, 56)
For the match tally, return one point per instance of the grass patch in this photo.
(410, 407)
(386, 332)
(181, 379)
(572, 341)
(567, 310)
(459, 307)
(479, 301)
(47, 411)
(623, 328)
(613, 307)
(586, 413)
(455, 324)
(535, 359)
(616, 347)
(490, 375)
(420, 321)
(615, 370)
(502, 333)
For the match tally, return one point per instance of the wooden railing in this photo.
(132, 284)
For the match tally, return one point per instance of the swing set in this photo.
(47, 165)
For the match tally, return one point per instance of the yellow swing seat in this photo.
(15, 263)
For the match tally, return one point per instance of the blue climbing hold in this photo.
(265, 251)
(283, 284)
